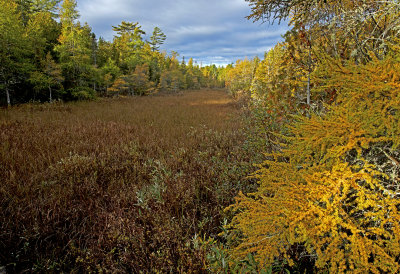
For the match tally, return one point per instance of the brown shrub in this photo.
(117, 185)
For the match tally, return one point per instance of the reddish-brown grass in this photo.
(117, 184)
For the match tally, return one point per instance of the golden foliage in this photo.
(325, 190)
(238, 79)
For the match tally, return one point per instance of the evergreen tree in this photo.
(157, 39)
(129, 45)
(43, 32)
(67, 47)
(128, 28)
(49, 6)
(76, 53)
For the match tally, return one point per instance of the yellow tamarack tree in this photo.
(332, 194)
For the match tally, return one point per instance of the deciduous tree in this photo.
(14, 48)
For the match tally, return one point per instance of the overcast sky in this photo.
(210, 31)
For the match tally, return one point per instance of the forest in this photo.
(117, 157)
(48, 55)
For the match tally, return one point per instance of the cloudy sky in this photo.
(210, 31)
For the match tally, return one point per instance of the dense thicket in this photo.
(326, 103)
(43, 59)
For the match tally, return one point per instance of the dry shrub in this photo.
(117, 185)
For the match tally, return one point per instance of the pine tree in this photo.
(128, 28)
(48, 6)
(129, 45)
(157, 39)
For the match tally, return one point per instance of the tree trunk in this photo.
(8, 96)
(308, 89)
(50, 94)
(309, 77)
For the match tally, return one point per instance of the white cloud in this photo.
(198, 30)
(208, 30)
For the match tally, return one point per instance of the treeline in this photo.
(326, 107)
(44, 59)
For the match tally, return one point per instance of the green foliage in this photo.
(43, 32)
(157, 39)
(128, 28)
(14, 49)
(49, 6)
(82, 93)
(126, 65)
(172, 80)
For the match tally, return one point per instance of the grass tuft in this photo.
(116, 185)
